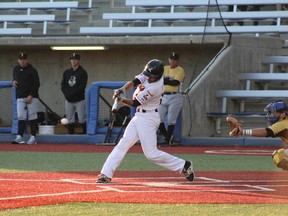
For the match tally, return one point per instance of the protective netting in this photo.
(6, 111)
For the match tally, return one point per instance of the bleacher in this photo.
(262, 93)
(27, 20)
(147, 17)
(32, 13)
(209, 20)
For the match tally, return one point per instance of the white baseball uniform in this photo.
(143, 126)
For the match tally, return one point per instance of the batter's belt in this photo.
(145, 111)
(169, 93)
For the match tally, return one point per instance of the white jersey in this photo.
(148, 94)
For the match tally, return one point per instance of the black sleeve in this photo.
(136, 103)
(136, 82)
(167, 81)
(269, 132)
(35, 82)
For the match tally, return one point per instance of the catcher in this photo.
(277, 117)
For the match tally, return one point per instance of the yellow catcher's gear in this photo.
(280, 158)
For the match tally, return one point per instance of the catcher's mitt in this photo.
(234, 125)
(280, 158)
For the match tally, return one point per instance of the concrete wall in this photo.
(121, 62)
(243, 55)
(127, 56)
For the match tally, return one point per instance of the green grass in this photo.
(50, 161)
(108, 209)
(12, 161)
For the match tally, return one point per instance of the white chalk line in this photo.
(202, 184)
(240, 152)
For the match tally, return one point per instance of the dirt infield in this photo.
(33, 189)
(42, 188)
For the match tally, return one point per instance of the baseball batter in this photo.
(144, 125)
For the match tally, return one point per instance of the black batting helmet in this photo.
(154, 69)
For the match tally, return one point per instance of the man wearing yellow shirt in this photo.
(172, 100)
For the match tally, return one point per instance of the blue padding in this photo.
(4, 84)
(5, 130)
(93, 103)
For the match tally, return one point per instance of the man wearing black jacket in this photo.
(26, 82)
(73, 86)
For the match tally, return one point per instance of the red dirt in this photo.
(34, 189)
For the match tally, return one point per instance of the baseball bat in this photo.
(48, 108)
(110, 128)
(115, 105)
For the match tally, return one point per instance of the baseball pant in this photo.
(79, 107)
(143, 126)
(171, 106)
(25, 110)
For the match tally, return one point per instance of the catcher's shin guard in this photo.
(71, 128)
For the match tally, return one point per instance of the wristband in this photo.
(247, 132)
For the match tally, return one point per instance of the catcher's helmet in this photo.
(274, 107)
(154, 69)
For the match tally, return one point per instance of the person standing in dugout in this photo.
(172, 101)
(73, 86)
(144, 125)
(26, 82)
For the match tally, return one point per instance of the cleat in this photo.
(32, 140)
(191, 177)
(187, 171)
(103, 179)
(18, 140)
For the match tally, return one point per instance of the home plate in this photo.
(160, 184)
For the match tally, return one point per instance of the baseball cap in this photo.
(75, 56)
(174, 55)
(22, 55)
